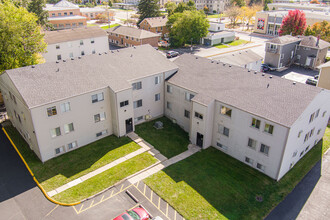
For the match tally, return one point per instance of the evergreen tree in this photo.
(36, 7)
(148, 9)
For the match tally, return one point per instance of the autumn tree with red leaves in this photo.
(294, 23)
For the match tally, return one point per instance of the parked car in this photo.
(134, 214)
(172, 53)
(266, 67)
(312, 81)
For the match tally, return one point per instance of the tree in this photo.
(321, 29)
(206, 9)
(233, 12)
(21, 40)
(170, 7)
(36, 7)
(266, 7)
(148, 9)
(186, 27)
(190, 6)
(294, 23)
(238, 3)
(314, 2)
(110, 3)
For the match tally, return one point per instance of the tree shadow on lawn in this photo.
(231, 186)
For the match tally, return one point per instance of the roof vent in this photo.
(72, 58)
(117, 50)
(224, 64)
(267, 85)
(131, 55)
(57, 61)
(33, 66)
(212, 61)
(79, 57)
(255, 72)
(112, 51)
(58, 69)
(229, 65)
(100, 53)
(263, 74)
(249, 70)
(134, 47)
(196, 58)
(218, 62)
(294, 83)
(64, 61)
(271, 77)
(105, 52)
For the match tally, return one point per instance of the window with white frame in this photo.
(137, 104)
(169, 89)
(137, 85)
(225, 111)
(59, 57)
(169, 105)
(260, 166)
(137, 119)
(57, 46)
(255, 123)
(97, 97)
(324, 113)
(311, 118)
(68, 128)
(249, 160)
(157, 97)
(72, 145)
(306, 149)
(264, 149)
(294, 153)
(306, 137)
(157, 80)
(223, 130)
(81, 42)
(99, 117)
(124, 103)
(186, 113)
(300, 132)
(198, 115)
(317, 113)
(92, 41)
(65, 107)
(101, 133)
(51, 111)
(269, 128)
(318, 131)
(71, 55)
(55, 132)
(252, 143)
(59, 150)
(222, 147)
(189, 96)
(311, 132)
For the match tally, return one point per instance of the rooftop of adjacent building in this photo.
(321, 15)
(69, 17)
(307, 41)
(131, 32)
(53, 37)
(61, 5)
(49, 82)
(240, 58)
(270, 97)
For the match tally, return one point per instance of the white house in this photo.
(264, 121)
(70, 43)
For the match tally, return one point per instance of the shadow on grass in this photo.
(231, 186)
(62, 169)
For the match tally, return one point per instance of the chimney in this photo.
(318, 40)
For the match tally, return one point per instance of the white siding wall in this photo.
(100, 45)
(125, 112)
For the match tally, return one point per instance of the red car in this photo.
(134, 214)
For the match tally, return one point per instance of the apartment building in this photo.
(265, 121)
(60, 106)
(125, 36)
(71, 43)
(156, 25)
(307, 51)
(213, 5)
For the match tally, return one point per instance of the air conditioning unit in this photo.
(174, 121)
(147, 117)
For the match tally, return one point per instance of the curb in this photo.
(34, 178)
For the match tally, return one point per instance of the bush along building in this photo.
(264, 121)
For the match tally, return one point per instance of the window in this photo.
(255, 123)
(81, 24)
(282, 56)
(65, 13)
(99, 117)
(300, 132)
(325, 112)
(59, 150)
(252, 143)
(186, 113)
(169, 105)
(68, 128)
(157, 80)
(137, 103)
(223, 147)
(273, 46)
(225, 111)
(53, 14)
(298, 57)
(71, 13)
(67, 25)
(264, 149)
(249, 160)
(138, 119)
(74, 24)
(306, 137)
(269, 128)
(301, 153)
(55, 132)
(72, 145)
(306, 148)
(132, 38)
(101, 133)
(59, 57)
(169, 89)
(81, 42)
(137, 85)
(19, 118)
(51, 111)
(82, 53)
(189, 96)
(157, 97)
(260, 167)
(57, 46)
(97, 97)
(59, 14)
(198, 115)
(126, 37)
(93, 51)
(311, 118)
(124, 103)
(223, 130)
(311, 132)
(65, 107)
(318, 131)
(92, 41)
(61, 25)
(317, 113)
(294, 154)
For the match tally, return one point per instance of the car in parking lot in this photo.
(171, 53)
(266, 67)
(312, 80)
(134, 214)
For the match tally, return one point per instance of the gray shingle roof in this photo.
(131, 32)
(240, 58)
(53, 37)
(282, 102)
(50, 82)
(65, 4)
(311, 41)
(283, 39)
(157, 21)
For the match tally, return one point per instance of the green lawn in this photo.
(238, 42)
(213, 185)
(220, 46)
(67, 167)
(105, 179)
(170, 141)
(215, 16)
(111, 26)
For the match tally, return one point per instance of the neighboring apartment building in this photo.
(156, 25)
(244, 58)
(70, 43)
(129, 36)
(324, 76)
(65, 15)
(267, 122)
(92, 13)
(212, 5)
(300, 6)
(58, 107)
(269, 22)
(307, 51)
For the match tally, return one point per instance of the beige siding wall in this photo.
(324, 78)
(261, 15)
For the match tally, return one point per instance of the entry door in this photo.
(129, 125)
(308, 61)
(222, 40)
(199, 140)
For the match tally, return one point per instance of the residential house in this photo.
(71, 43)
(65, 15)
(218, 37)
(60, 106)
(125, 36)
(324, 76)
(245, 58)
(307, 51)
(267, 122)
(155, 25)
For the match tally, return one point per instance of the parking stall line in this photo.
(159, 202)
